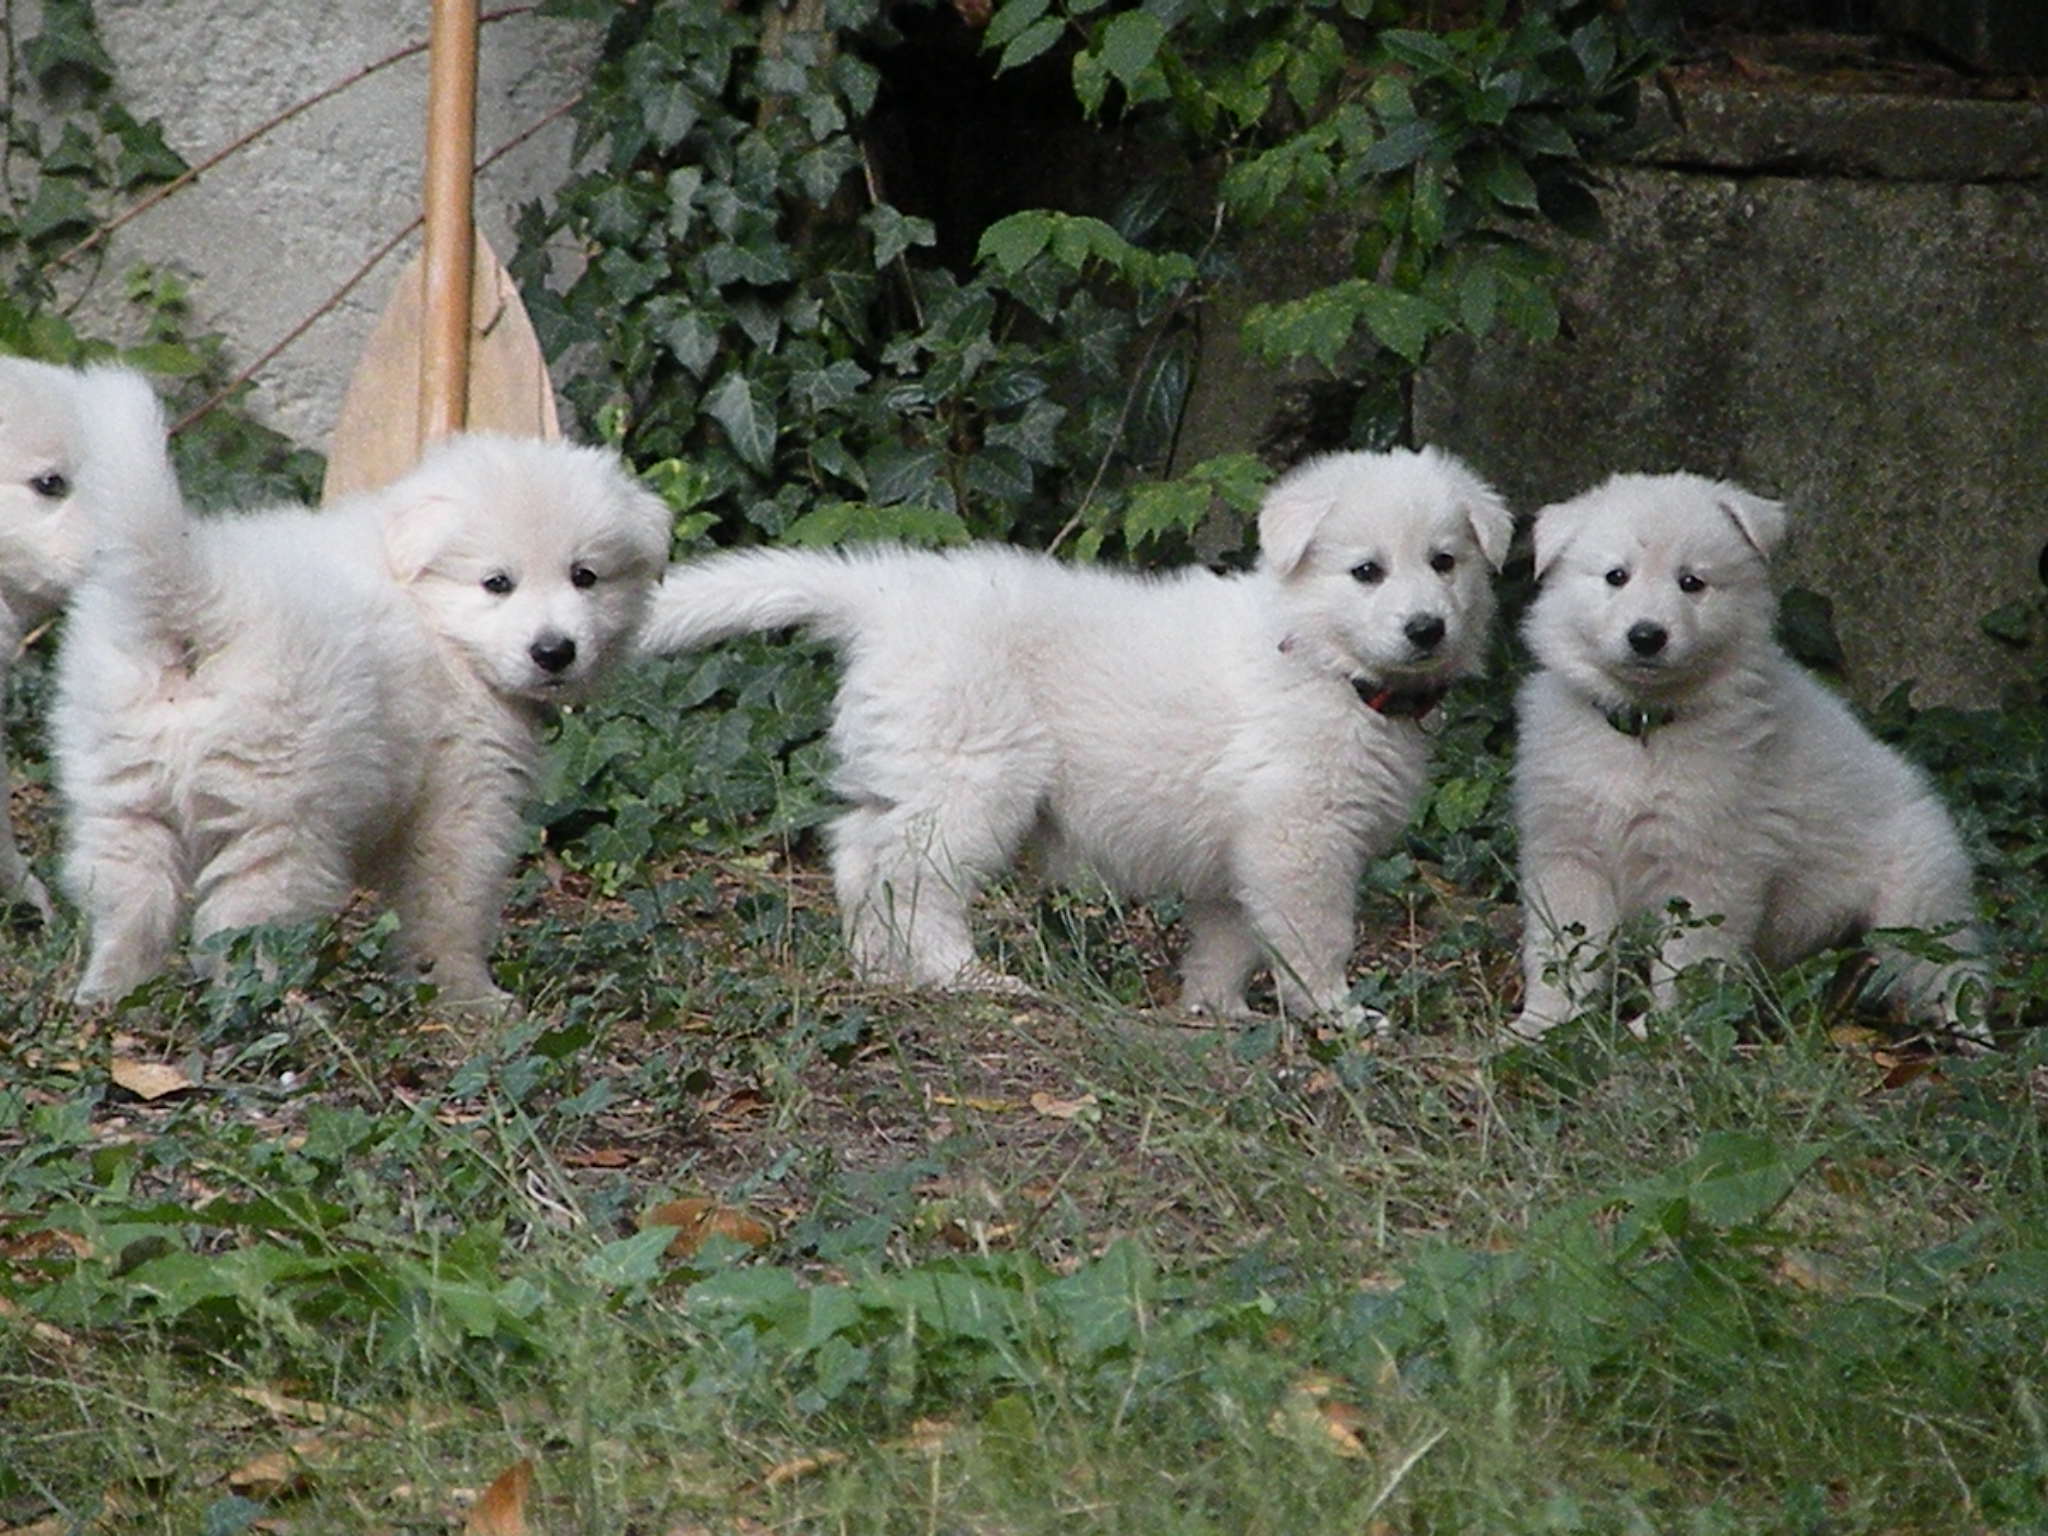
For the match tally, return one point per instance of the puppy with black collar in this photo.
(1671, 751)
(1248, 741)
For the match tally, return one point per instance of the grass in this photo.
(970, 1266)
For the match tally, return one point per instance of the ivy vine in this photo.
(753, 308)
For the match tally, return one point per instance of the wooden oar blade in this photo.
(377, 437)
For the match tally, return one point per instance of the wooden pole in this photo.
(449, 257)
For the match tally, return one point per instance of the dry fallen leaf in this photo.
(800, 1466)
(600, 1157)
(148, 1079)
(43, 1333)
(280, 1474)
(1309, 1415)
(973, 1101)
(501, 1510)
(285, 1406)
(44, 1244)
(696, 1218)
(928, 1436)
(1063, 1109)
(1810, 1272)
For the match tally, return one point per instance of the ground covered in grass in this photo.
(712, 1239)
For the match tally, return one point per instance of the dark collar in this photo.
(1397, 703)
(1638, 720)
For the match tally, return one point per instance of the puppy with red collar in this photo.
(1247, 741)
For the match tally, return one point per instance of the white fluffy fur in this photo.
(1760, 801)
(1187, 732)
(45, 532)
(256, 714)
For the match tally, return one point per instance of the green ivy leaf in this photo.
(748, 419)
(1401, 322)
(1424, 52)
(840, 522)
(819, 390)
(1478, 294)
(894, 233)
(58, 207)
(1013, 242)
(68, 46)
(670, 111)
(1029, 44)
(689, 333)
(760, 262)
(144, 156)
(900, 473)
(1508, 181)
(1011, 20)
(1130, 44)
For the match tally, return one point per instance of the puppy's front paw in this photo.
(465, 986)
(989, 982)
(1357, 1019)
(1527, 1028)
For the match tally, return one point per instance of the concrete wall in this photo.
(1838, 300)
(273, 231)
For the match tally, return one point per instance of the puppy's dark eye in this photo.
(1371, 572)
(1443, 562)
(52, 486)
(582, 576)
(498, 584)
(1617, 577)
(1687, 582)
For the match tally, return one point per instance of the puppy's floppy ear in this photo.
(1760, 522)
(1493, 525)
(1556, 527)
(1294, 508)
(648, 516)
(418, 524)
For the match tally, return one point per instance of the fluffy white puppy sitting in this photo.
(1248, 741)
(45, 532)
(1670, 750)
(256, 714)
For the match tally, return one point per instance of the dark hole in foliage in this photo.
(957, 143)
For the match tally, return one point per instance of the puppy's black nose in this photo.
(551, 653)
(1425, 631)
(1647, 639)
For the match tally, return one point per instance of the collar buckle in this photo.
(1638, 720)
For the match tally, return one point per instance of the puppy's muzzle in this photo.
(1425, 631)
(1647, 639)
(553, 653)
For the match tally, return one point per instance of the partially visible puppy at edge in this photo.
(1248, 740)
(1670, 750)
(45, 535)
(258, 714)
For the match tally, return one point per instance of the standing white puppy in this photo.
(1248, 741)
(45, 530)
(1670, 751)
(256, 714)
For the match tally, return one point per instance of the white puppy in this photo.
(1248, 741)
(257, 714)
(45, 533)
(1671, 751)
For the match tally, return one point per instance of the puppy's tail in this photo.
(140, 528)
(703, 601)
